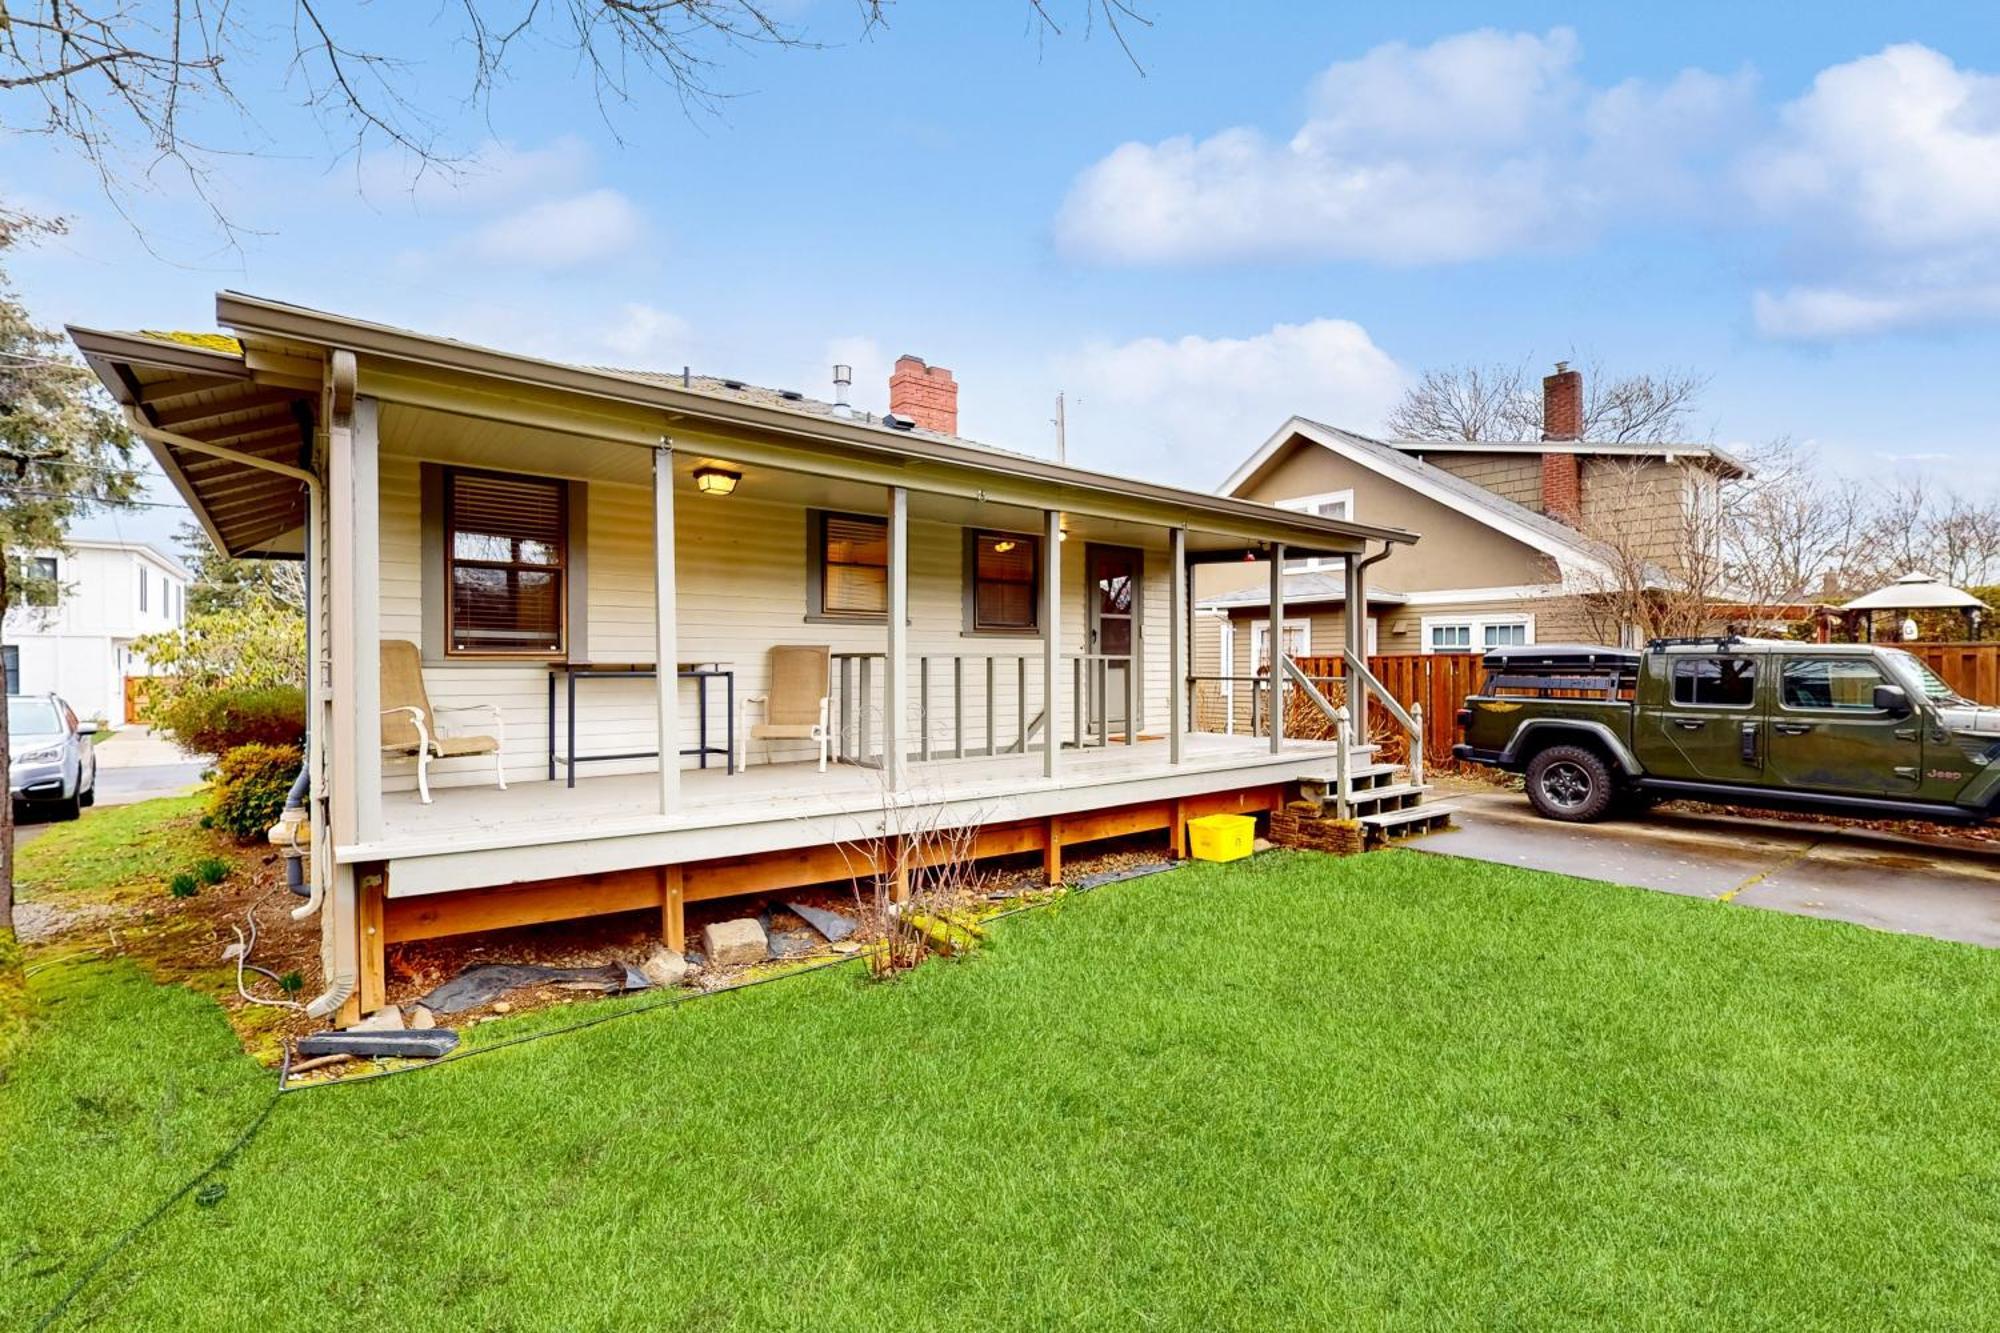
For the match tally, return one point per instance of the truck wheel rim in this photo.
(1566, 785)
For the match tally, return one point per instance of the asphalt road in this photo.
(1809, 870)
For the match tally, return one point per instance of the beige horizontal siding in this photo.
(741, 580)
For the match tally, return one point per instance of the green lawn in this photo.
(1386, 1090)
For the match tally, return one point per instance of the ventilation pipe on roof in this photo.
(843, 380)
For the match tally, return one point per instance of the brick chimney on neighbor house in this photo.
(1562, 419)
(927, 395)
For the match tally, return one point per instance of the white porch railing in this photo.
(975, 705)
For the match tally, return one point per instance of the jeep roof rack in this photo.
(1695, 641)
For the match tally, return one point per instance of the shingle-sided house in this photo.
(1515, 533)
(501, 548)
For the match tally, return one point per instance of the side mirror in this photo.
(86, 728)
(1892, 699)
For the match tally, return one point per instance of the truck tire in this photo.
(1570, 783)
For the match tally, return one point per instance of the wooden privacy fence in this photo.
(1439, 681)
(1973, 669)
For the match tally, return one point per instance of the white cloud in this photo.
(496, 173)
(1477, 145)
(1886, 173)
(645, 337)
(562, 233)
(1187, 410)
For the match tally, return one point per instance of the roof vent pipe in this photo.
(843, 380)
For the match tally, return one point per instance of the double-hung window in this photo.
(1001, 596)
(506, 552)
(850, 566)
(1333, 504)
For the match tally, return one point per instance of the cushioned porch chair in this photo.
(795, 705)
(409, 723)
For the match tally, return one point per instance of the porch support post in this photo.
(896, 668)
(1276, 642)
(367, 610)
(1051, 638)
(666, 654)
(1177, 643)
(1354, 626)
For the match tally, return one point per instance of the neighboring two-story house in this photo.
(1519, 535)
(77, 641)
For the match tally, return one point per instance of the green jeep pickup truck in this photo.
(1853, 729)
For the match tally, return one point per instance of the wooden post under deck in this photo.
(374, 988)
(673, 919)
(1052, 851)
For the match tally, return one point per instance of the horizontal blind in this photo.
(508, 548)
(1004, 582)
(855, 565)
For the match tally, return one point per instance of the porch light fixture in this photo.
(1003, 546)
(716, 480)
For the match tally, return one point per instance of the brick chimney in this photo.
(927, 395)
(1562, 419)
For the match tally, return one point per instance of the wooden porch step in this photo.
(1393, 792)
(1413, 822)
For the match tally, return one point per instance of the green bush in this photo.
(251, 782)
(211, 870)
(182, 885)
(220, 720)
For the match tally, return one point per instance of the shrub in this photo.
(211, 870)
(217, 721)
(292, 983)
(182, 885)
(251, 782)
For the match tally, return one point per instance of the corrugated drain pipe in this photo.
(343, 983)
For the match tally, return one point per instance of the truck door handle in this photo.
(1690, 723)
(1746, 743)
(1792, 728)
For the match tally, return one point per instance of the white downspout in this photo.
(343, 984)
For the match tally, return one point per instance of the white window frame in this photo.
(1476, 625)
(1311, 504)
(1260, 636)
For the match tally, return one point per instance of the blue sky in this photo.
(1297, 208)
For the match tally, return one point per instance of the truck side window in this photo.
(1719, 682)
(1831, 682)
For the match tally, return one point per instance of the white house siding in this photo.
(741, 571)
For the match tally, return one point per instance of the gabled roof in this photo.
(1559, 541)
(159, 557)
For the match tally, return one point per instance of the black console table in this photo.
(701, 676)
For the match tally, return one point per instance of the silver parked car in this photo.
(51, 763)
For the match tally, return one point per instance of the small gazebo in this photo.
(1917, 592)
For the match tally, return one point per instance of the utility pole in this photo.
(1062, 430)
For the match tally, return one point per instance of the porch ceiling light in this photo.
(716, 480)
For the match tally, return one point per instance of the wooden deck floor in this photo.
(713, 795)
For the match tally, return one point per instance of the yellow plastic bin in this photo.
(1221, 837)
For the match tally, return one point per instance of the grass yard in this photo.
(1384, 1090)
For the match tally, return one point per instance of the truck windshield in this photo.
(1928, 681)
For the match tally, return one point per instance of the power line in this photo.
(97, 500)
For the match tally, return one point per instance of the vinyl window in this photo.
(850, 558)
(1002, 571)
(506, 549)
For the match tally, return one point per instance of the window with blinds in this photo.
(853, 558)
(1002, 567)
(506, 548)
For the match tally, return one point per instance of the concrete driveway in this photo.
(1811, 870)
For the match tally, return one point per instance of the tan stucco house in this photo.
(502, 551)
(1511, 547)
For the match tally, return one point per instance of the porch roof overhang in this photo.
(399, 365)
(203, 390)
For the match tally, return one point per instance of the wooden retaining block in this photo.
(1300, 824)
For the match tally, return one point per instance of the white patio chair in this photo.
(409, 724)
(796, 703)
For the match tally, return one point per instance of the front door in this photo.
(1112, 634)
(1706, 721)
(1828, 735)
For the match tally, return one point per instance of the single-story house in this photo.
(501, 549)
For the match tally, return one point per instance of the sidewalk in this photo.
(138, 747)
